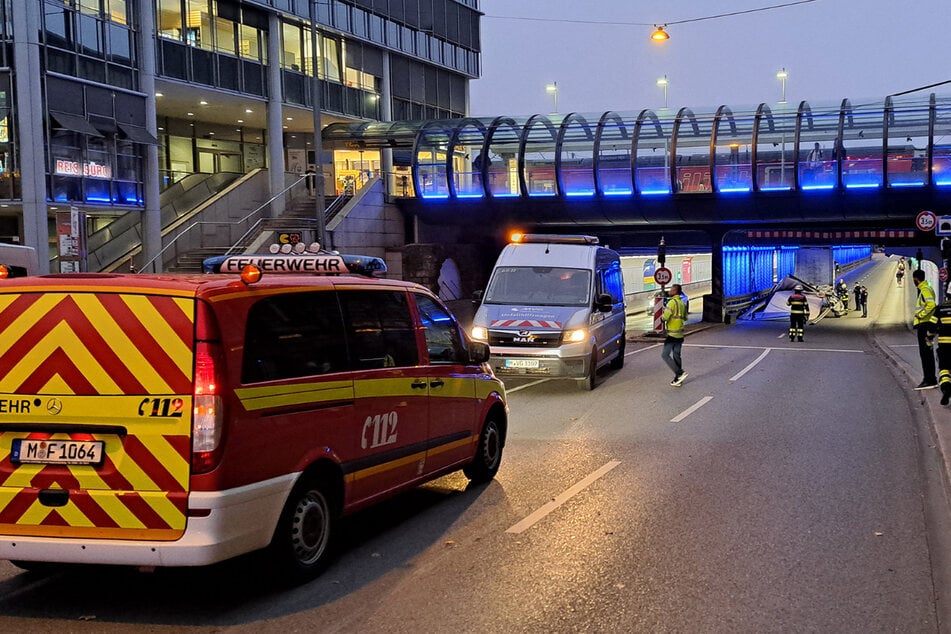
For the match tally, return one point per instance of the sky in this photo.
(831, 49)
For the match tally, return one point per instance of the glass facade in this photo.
(886, 144)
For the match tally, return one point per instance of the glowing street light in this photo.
(659, 34)
(662, 82)
(552, 88)
(781, 76)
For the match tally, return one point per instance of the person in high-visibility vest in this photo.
(674, 316)
(798, 313)
(943, 314)
(925, 324)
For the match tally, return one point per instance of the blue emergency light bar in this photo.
(305, 264)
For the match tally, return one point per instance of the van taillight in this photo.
(207, 414)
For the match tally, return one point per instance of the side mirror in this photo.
(478, 352)
(604, 303)
(477, 297)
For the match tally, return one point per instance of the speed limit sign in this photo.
(663, 276)
(926, 221)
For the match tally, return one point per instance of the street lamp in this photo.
(781, 76)
(553, 89)
(662, 82)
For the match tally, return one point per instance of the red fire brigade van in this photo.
(173, 420)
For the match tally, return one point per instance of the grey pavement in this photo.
(890, 311)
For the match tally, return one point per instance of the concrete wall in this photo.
(370, 226)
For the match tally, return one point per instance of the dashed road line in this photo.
(690, 410)
(542, 512)
(739, 374)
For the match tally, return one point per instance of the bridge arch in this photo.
(580, 176)
(616, 178)
(529, 185)
(503, 140)
(648, 178)
(470, 146)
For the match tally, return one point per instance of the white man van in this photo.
(554, 307)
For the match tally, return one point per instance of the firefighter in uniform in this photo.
(944, 350)
(798, 313)
(925, 324)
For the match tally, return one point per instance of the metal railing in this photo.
(202, 223)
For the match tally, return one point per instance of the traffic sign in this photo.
(943, 274)
(663, 276)
(943, 228)
(926, 221)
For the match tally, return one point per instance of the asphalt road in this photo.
(785, 487)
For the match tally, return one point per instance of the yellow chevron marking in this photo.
(173, 462)
(61, 336)
(118, 511)
(172, 515)
(16, 330)
(23, 476)
(157, 324)
(120, 343)
(132, 472)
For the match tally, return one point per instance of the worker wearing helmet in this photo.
(943, 314)
(798, 313)
(925, 324)
(842, 290)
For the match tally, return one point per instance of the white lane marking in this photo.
(531, 520)
(781, 335)
(522, 387)
(656, 345)
(781, 349)
(740, 374)
(690, 410)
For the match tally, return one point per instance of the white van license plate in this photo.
(521, 363)
(82, 452)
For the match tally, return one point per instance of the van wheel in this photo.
(488, 456)
(303, 542)
(618, 362)
(589, 382)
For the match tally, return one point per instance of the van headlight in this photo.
(479, 333)
(574, 336)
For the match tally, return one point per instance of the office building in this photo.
(106, 104)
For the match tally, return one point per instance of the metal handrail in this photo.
(204, 222)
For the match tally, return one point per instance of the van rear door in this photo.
(95, 410)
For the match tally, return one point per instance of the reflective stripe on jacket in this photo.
(798, 305)
(675, 313)
(926, 305)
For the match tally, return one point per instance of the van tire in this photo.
(589, 382)
(618, 362)
(488, 456)
(303, 543)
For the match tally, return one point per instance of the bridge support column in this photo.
(713, 309)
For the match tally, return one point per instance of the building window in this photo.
(292, 49)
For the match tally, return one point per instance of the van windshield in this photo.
(539, 286)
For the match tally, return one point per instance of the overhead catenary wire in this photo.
(655, 22)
